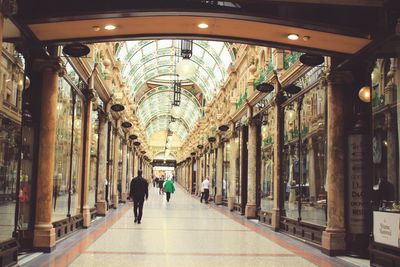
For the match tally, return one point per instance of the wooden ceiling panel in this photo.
(219, 28)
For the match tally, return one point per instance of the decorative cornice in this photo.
(8, 8)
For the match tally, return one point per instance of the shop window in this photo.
(226, 171)
(68, 154)
(304, 161)
(9, 146)
(267, 161)
(385, 142)
(93, 157)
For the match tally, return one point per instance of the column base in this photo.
(86, 217)
(334, 242)
(44, 238)
(115, 201)
(101, 207)
(231, 202)
(218, 200)
(251, 211)
(275, 220)
(124, 197)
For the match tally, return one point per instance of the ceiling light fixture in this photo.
(96, 28)
(293, 36)
(202, 25)
(110, 27)
(365, 94)
(76, 50)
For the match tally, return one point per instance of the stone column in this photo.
(190, 176)
(124, 172)
(101, 204)
(232, 171)
(86, 153)
(278, 207)
(333, 238)
(115, 199)
(251, 209)
(220, 163)
(198, 176)
(44, 238)
(136, 164)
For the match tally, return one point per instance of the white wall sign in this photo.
(387, 228)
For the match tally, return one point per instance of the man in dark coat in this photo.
(139, 190)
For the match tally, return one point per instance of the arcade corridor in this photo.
(183, 232)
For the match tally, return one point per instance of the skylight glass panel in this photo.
(122, 53)
(131, 44)
(164, 43)
(136, 58)
(226, 58)
(218, 74)
(149, 48)
(217, 46)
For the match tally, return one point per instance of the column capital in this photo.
(53, 63)
(340, 77)
(103, 116)
(8, 8)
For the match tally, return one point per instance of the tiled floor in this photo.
(183, 232)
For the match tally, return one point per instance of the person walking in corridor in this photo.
(169, 188)
(138, 191)
(205, 186)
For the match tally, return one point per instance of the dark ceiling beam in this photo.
(361, 3)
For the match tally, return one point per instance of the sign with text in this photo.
(356, 184)
(387, 228)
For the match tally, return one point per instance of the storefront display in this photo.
(68, 156)
(304, 161)
(226, 171)
(385, 155)
(11, 86)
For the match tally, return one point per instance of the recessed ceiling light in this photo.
(293, 36)
(202, 25)
(110, 27)
(96, 28)
(306, 38)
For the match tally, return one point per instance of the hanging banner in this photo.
(356, 184)
(387, 228)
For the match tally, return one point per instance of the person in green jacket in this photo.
(169, 188)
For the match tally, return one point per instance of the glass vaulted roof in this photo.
(154, 61)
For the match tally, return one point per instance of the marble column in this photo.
(251, 209)
(198, 176)
(101, 204)
(220, 164)
(278, 207)
(44, 238)
(190, 176)
(232, 171)
(333, 238)
(136, 164)
(115, 199)
(86, 153)
(124, 171)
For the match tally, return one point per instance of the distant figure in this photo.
(138, 191)
(201, 191)
(161, 186)
(385, 190)
(205, 185)
(169, 188)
